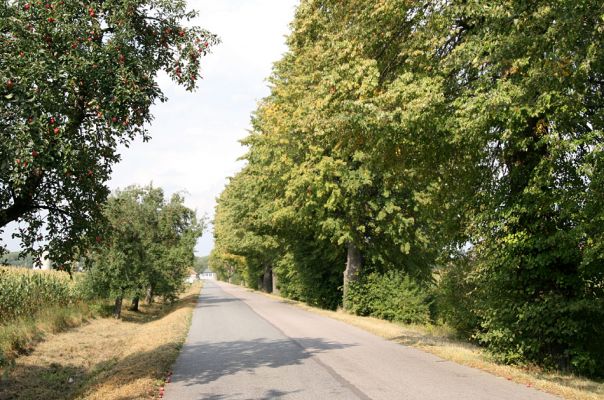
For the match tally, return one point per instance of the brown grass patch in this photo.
(440, 340)
(106, 358)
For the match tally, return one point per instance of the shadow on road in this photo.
(207, 362)
(268, 395)
(213, 301)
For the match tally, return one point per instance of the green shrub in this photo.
(393, 296)
(537, 309)
(455, 300)
(311, 272)
(523, 313)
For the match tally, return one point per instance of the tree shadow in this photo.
(158, 310)
(208, 361)
(268, 395)
(410, 340)
(430, 341)
(67, 381)
(50, 382)
(214, 301)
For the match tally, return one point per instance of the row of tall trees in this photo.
(456, 137)
(147, 248)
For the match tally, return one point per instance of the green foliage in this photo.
(539, 315)
(455, 297)
(24, 292)
(228, 267)
(393, 296)
(526, 90)
(148, 245)
(316, 178)
(77, 79)
(201, 263)
(311, 271)
(34, 303)
(243, 246)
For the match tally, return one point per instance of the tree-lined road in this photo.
(244, 345)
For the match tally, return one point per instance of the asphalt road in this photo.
(244, 345)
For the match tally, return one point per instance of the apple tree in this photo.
(147, 249)
(77, 79)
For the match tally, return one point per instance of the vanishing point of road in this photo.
(244, 345)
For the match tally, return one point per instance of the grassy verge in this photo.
(105, 359)
(440, 340)
(20, 336)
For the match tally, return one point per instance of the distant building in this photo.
(207, 274)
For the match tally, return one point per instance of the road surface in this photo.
(244, 345)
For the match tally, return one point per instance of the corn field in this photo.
(23, 292)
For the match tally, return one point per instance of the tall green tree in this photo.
(524, 82)
(337, 156)
(201, 264)
(77, 78)
(350, 171)
(244, 241)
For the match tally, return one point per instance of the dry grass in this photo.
(440, 340)
(106, 359)
(20, 336)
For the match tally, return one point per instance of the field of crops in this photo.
(23, 292)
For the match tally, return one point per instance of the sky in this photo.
(195, 136)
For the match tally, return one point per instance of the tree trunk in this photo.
(117, 309)
(353, 267)
(149, 295)
(267, 280)
(521, 160)
(134, 305)
(275, 283)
